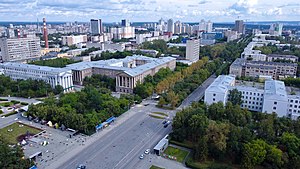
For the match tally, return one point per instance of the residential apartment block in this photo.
(53, 76)
(20, 49)
(272, 97)
(278, 70)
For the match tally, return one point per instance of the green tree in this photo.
(235, 97)
(254, 153)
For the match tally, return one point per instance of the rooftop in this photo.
(33, 67)
(221, 83)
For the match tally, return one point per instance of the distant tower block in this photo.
(45, 33)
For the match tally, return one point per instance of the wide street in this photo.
(121, 144)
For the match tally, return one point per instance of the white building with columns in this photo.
(53, 76)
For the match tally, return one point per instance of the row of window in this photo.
(254, 94)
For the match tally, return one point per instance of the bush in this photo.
(3, 99)
(15, 102)
(11, 113)
(24, 104)
(1, 112)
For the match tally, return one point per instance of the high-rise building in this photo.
(96, 26)
(209, 26)
(170, 26)
(192, 50)
(240, 26)
(125, 23)
(205, 26)
(276, 29)
(20, 49)
(177, 27)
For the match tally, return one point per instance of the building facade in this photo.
(53, 76)
(268, 99)
(20, 49)
(73, 40)
(240, 26)
(96, 26)
(128, 71)
(192, 50)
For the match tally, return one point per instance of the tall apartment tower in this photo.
(192, 50)
(20, 49)
(45, 32)
(276, 29)
(125, 23)
(96, 26)
(170, 25)
(240, 26)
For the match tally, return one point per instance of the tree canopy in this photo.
(233, 135)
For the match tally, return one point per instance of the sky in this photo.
(150, 10)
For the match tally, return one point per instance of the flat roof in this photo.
(34, 67)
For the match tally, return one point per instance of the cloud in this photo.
(204, 2)
(244, 6)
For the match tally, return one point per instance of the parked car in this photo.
(141, 156)
(147, 151)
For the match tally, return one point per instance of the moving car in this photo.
(81, 166)
(167, 124)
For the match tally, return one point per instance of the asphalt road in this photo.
(122, 146)
(198, 93)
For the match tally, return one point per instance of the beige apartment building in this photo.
(242, 67)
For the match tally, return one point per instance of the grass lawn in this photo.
(6, 104)
(178, 153)
(155, 167)
(206, 164)
(160, 113)
(155, 116)
(18, 129)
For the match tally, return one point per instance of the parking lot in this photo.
(51, 144)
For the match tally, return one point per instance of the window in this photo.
(246, 101)
(290, 110)
(274, 108)
(246, 97)
(294, 111)
(275, 103)
(250, 97)
(291, 101)
(295, 106)
(291, 105)
(214, 99)
(214, 94)
(254, 94)
(257, 94)
(246, 92)
(250, 93)
(296, 101)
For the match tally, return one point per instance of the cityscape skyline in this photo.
(142, 10)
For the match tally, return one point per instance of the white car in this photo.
(141, 156)
(147, 151)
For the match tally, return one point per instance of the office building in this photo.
(20, 49)
(240, 26)
(270, 97)
(96, 26)
(125, 23)
(170, 26)
(73, 40)
(53, 76)
(192, 50)
(128, 71)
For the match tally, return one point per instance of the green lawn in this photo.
(155, 167)
(209, 164)
(178, 153)
(160, 113)
(17, 130)
(6, 104)
(155, 116)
